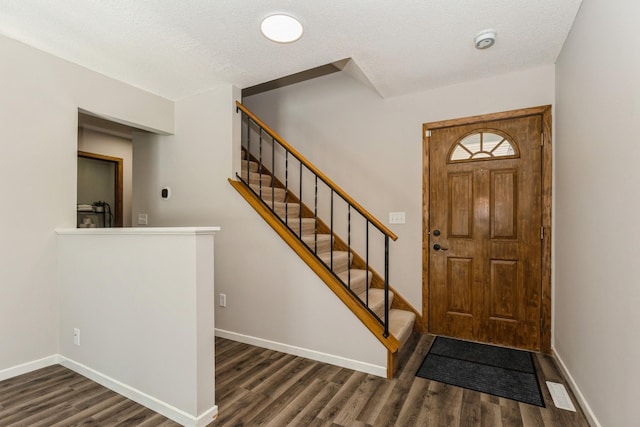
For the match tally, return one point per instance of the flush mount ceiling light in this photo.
(281, 28)
(485, 39)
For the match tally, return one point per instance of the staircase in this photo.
(352, 278)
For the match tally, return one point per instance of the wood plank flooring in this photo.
(255, 387)
(56, 396)
(259, 387)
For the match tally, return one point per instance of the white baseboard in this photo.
(144, 399)
(25, 368)
(343, 362)
(588, 412)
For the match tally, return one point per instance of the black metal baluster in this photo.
(260, 159)
(367, 262)
(348, 244)
(286, 185)
(300, 196)
(248, 157)
(273, 171)
(315, 215)
(331, 254)
(386, 286)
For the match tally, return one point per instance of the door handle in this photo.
(437, 247)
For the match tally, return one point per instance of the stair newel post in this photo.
(386, 286)
(315, 214)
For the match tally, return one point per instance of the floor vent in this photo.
(560, 396)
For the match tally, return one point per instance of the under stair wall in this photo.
(274, 300)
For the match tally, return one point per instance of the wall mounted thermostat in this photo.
(165, 193)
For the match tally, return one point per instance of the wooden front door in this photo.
(485, 231)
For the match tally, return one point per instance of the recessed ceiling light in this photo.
(485, 39)
(281, 28)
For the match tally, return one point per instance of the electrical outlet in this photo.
(76, 336)
(142, 219)
(223, 300)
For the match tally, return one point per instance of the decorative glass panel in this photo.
(483, 146)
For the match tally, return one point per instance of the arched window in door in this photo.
(488, 144)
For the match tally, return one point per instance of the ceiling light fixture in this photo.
(281, 28)
(485, 39)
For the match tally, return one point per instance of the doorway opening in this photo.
(100, 188)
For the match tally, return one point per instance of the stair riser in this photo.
(378, 309)
(323, 245)
(291, 210)
(268, 197)
(356, 281)
(358, 286)
(258, 179)
(268, 193)
(340, 262)
(307, 227)
(340, 265)
(401, 324)
(252, 166)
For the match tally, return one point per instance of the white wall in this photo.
(597, 292)
(273, 298)
(39, 109)
(372, 147)
(145, 316)
(115, 146)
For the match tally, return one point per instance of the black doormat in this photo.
(488, 369)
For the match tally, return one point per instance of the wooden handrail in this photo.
(373, 220)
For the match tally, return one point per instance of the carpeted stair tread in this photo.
(358, 280)
(401, 324)
(324, 242)
(341, 260)
(376, 301)
(308, 224)
(270, 193)
(251, 165)
(257, 178)
(281, 208)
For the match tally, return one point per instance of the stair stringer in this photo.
(368, 320)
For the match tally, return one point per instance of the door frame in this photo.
(547, 180)
(119, 165)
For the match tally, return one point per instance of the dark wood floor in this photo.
(255, 387)
(56, 396)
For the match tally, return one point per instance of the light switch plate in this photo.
(142, 219)
(396, 217)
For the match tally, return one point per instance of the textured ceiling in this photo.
(180, 48)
